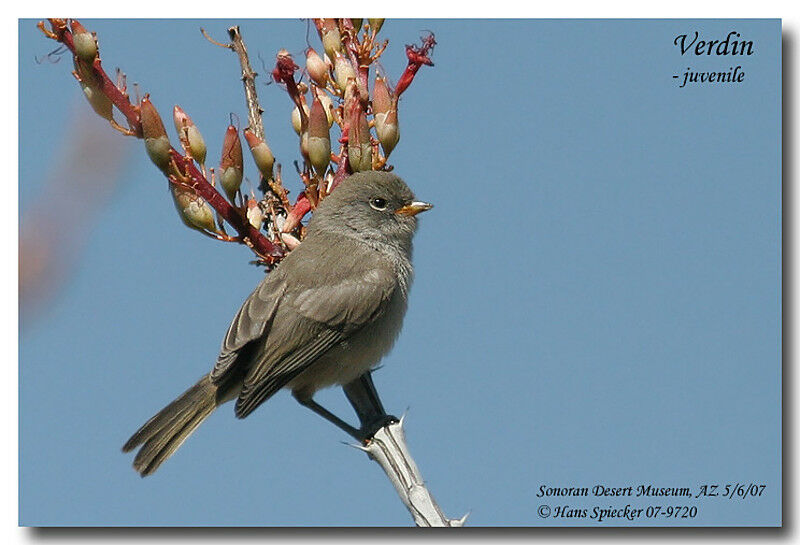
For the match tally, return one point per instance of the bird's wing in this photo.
(346, 303)
(249, 324)
(311, 319)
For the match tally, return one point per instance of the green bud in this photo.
(327, 103)
(319, 140)
(359, 146)
(384, 105)
(84, 42)
(262, 155)
(156, 141)
(99, 102)
(331, 38)
(343, 70)
(192, 209)
(316, 67)
(296, 121)
(304, 145)
(388, 130)
(231, 167)
(189, 135)
(381, 97)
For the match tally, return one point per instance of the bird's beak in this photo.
(414, 208)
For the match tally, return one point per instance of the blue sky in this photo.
(597, 293)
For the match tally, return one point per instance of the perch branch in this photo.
(383, 440)
(388, 448)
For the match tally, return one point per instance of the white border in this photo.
(9, 532)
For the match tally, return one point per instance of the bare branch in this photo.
(254, 110)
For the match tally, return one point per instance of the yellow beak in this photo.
(414, 208)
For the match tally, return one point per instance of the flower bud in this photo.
(190, 136)
(254, 213)
(319, 140)
(327, 103)
(388, 132)
(375, 24)
(342, 70)
(231, 169)
(296, 120)
(99, 102)
(304, 146)
(193, 210)
(359, 146)
(331, 38)
(316, 68)
(384, 105)
(262, 155)
(156, 141)
(356, 23)
(84, 71)
(381, 97)
(84, 42)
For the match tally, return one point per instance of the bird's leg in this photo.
(329, 416)
(363, 396)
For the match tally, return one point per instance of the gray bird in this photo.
(326, 315)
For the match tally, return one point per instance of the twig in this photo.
(254, 109)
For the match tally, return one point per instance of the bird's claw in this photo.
(368, 432)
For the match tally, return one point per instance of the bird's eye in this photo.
(378, 204)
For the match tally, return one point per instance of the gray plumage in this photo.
(327, 314)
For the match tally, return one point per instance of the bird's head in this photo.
(375, 206)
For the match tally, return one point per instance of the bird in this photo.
(324, 316)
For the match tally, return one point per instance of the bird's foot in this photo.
(368, 431)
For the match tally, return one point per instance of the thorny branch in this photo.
(389, 450)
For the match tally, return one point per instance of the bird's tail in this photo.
(161, 436)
